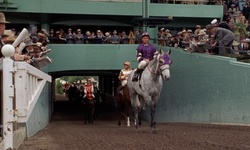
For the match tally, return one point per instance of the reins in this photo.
(157, 70)
(153, 72)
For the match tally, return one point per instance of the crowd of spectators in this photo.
(98, 37)
(200, 40)
(198, 2)
(32, 49)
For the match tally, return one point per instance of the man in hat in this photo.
(197, 30)
(223, 37)
(2, 29)
(145, 53)
(123, 75)
(114, 38)
(28, 46)
(79, 37)
(99, 37)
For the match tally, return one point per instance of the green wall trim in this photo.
(77, 7)
(116, 8)
(91, 56)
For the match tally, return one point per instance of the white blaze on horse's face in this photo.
(165, 65)
(165, 72)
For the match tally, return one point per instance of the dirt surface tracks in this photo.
(67, 131)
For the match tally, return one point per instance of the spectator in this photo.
(242, 18)
(137, 37)
(243, 46)
(131, 37)
(52, 36)
(223, 37)
(61, 37)
(99, 37)
(79, 37)
(107, 37)
(114, 38)
(87, 38)
(246, 10)
(197, 31)
(225, 8)
(124, 38)
(186, 40)
(70, 37)
(226, 17)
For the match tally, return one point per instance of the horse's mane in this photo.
(153, 61)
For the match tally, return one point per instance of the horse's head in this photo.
(164, 64)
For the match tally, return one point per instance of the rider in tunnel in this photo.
(145, 53)
(89, 90)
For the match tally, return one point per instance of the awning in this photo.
(89, 22)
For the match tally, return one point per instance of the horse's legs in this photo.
(119, 106)
(127, 109)
(136, 113)
(152, 113)
(92, 111)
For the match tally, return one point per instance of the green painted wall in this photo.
(205, 89)
(115, 8)
(91, 56)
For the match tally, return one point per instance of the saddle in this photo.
(137, 74)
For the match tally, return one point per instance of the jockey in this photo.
(89, 90)
(145, 53)
(123, 76)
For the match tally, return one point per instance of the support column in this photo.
(153, 35)
(145, 12)
(8, 97)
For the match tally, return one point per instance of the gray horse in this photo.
(147, 90)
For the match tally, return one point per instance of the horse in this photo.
(147, 90)
(123, 104)
(89, 109)
(99, 102)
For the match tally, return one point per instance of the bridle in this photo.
(160, 69)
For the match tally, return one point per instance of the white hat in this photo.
(214, 21)
(107, 34)
(88, 32)
(162, 29)
(98, 30)
(202, 32)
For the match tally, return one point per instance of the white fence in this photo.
(22, 85)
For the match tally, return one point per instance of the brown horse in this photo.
(89, 108)
(123, 104)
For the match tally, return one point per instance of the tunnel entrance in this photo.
(66, 101)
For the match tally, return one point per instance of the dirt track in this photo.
(67, 131)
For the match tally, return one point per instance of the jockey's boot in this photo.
(137, 74)
(119, 89)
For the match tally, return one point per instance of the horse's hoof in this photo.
(154, 131)
(138, 129)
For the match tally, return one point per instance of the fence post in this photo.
(8, 96)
